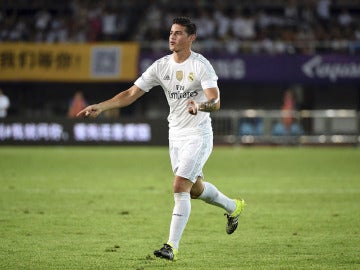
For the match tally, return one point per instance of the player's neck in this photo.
(181, 56)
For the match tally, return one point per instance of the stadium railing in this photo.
(231, 127)
(256, 127)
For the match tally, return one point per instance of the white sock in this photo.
(213, 196)
(179, 218)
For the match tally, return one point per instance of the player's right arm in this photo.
(121, 100)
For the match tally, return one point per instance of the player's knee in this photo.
(194, 194)
(182, 185)
(197, 189)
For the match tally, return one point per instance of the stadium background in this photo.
(259, 48)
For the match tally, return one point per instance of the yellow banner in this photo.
(69, 62)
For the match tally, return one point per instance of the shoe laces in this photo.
(167, 247)
(230, 218)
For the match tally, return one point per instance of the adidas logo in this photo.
(166, 78)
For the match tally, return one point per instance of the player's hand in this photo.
(193, 107)
(91, 111)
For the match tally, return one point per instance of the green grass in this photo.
(110, 207)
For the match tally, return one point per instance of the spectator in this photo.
(4, 104)
(58, 31)
(291, 12)
(288, 109)
(206, 30)
(94, 16)
(305, 41)
(42, 21)
(151, 29)
(77, 104)
(206, 26)
(263, 20)
(243, 25)
(18, 31)
(345, 18)
(87, 21)
(223, 23)
(323, 12)
(109, 24)
(307, 13)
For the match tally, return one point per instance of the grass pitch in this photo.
(110, 207)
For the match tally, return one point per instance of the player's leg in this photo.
(206, 191)
(182, 165)
(181, 211)
(210, 194)
(179, 219)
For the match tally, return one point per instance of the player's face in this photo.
(179, 40)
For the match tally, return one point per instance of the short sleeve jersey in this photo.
(181, 82)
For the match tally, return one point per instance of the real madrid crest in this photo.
(191, 76)
(179, 75)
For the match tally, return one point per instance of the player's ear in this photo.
(192, 37)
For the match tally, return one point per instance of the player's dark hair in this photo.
(190, 27)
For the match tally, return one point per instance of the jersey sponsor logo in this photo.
(179, 75)
(181, 94)
(180, 88)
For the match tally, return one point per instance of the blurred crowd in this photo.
(247, 26)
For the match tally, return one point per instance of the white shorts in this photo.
(189, 155)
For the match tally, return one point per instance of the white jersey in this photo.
(181, 82)
(4, 105)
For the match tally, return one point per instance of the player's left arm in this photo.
(211, 105)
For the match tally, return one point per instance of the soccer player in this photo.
(190, 85)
